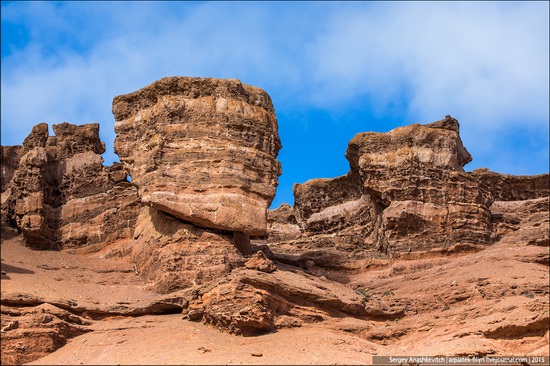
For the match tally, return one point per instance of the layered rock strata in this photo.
(251, 302)
(202, 153)
(415, 177)
(406, 191)
(506, 187)
(62, 196)
(203, 150)
(29, 333)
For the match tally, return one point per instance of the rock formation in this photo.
(202, 157)
(505, 187)
(61, 195)
(203, 150)
(282, 223)
(32, 333)
(251, 302)
(202, 153)
(415, 177)
(9, 163)
(406, 191)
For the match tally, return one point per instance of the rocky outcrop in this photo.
(202, 153)
(203, 150)
(406, 191)
(31, 333)
(172, 254)
(9, 162)
(505, 187)
(415, 176)
(62, 196)
(251, 302)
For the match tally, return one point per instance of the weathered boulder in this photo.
(250, 302)
(260, 262)
(505, 187)
(61, 195)
(203, 150)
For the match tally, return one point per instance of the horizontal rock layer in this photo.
(505, 187)
(203, 150)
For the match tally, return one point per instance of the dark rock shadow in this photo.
(13, 269)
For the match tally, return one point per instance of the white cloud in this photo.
(484, 63)
(488, 59)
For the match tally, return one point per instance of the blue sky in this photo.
(332, 70)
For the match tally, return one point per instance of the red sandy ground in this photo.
(492, 302)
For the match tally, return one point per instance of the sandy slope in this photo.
(170, 340)
(490, 302)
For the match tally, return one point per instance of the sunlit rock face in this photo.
(506, 187)
(201, 149)
(60, 195)
(415, 176)
(406, 191)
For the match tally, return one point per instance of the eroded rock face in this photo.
(173, 255)
(62, 196)
(505, 187)
(9, 160)
(9, 163)
(30, 333)
(406, 191)
(416, 178)
(203, 150)
(251, 302)
(522, 222)
(282, 223)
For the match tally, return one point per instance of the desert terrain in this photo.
(406, 255)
